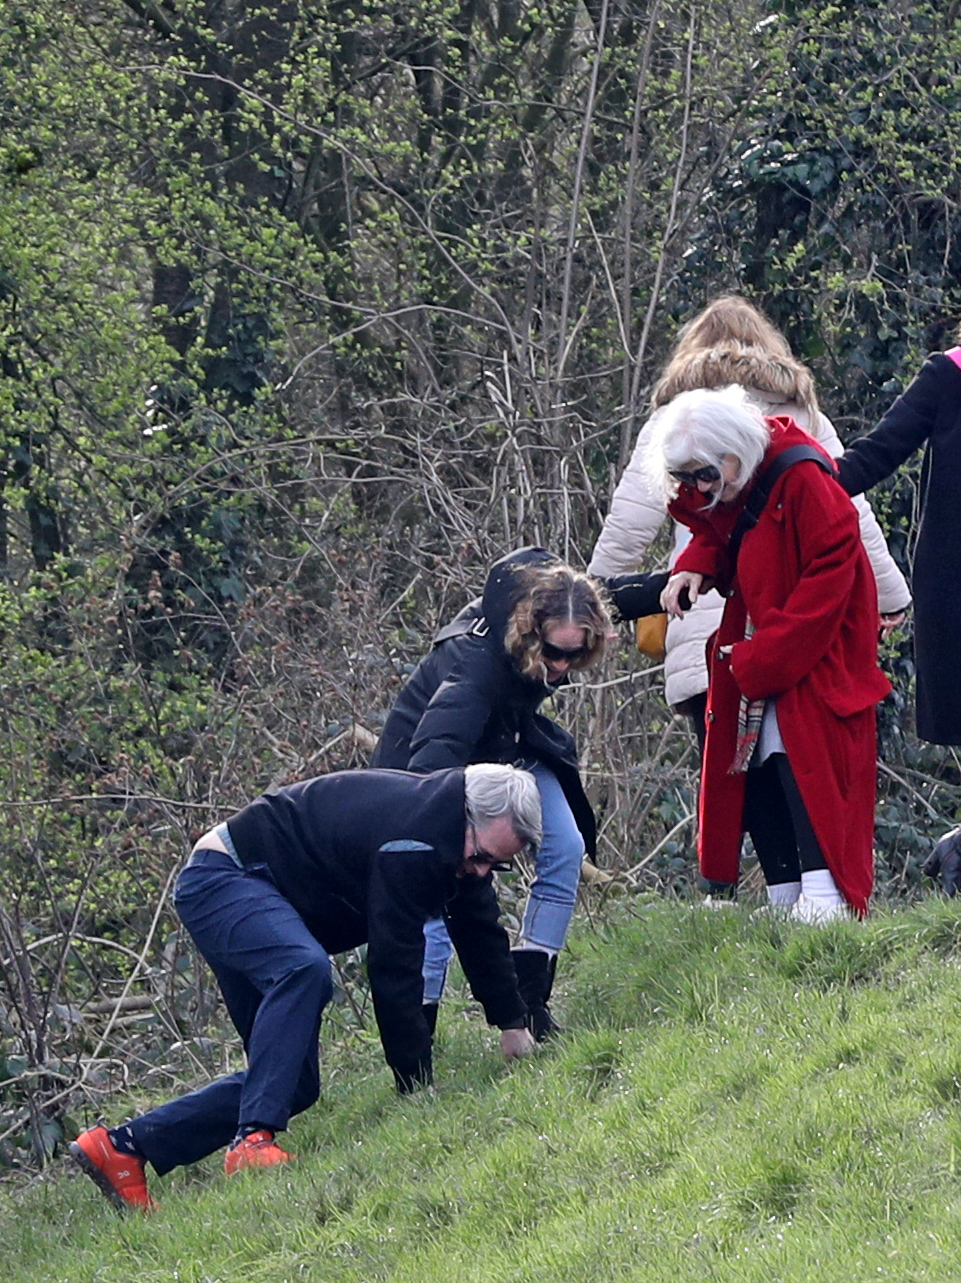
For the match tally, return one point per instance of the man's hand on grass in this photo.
(516, 1043)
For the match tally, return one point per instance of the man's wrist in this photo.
(519, 1023)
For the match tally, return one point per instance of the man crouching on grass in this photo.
(314, 869)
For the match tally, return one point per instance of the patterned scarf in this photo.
(749, 716)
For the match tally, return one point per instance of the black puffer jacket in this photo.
(468, 702)
(371, 856)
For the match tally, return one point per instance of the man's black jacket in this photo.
(467, 701)
(368, 857)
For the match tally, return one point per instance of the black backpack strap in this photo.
(475, 625)
(761, 492)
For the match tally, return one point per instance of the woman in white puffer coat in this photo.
(730, 341)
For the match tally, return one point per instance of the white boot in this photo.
(820, 900)
(782, 895)
(781, 899)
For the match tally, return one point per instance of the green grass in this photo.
(737, 1099)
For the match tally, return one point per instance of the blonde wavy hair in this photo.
(555, 595)
(721, 345)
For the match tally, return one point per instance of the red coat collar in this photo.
(785, 433)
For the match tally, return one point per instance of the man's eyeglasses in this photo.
(557, 653)
(494, 862)
(708, 474)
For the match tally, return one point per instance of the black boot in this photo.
(430, 1015)
(535, 979)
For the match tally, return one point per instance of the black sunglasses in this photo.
(480, 856)
(557, 652)
(708, 474)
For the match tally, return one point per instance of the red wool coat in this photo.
(804, 578)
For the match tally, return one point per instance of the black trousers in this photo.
(777, 820)
(774, 813)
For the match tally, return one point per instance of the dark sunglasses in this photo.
(480, 856)
(557, 653)
(708, 474)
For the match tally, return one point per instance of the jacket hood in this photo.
(754, 368)
(505, 586)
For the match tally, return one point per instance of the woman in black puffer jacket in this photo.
(475, 698)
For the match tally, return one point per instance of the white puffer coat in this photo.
(637, 514)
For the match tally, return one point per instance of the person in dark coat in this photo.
(322, 866)
(475, 697)
(927, 414)
(794, 677)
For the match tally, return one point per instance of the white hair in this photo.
(494, 790)
(701, 428)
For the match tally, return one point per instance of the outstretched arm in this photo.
(397, 908)
(636, 595)
(473, 920)
(894, 596)
(905, 427)
(704, 562)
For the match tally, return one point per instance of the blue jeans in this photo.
(550, 904)
(275, 980)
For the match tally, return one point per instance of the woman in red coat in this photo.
(794, 678)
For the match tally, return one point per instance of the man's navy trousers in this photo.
(275, 980)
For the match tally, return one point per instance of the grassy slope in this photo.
(737, 1100)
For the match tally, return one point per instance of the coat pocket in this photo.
(844, 699)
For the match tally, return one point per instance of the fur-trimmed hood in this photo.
(781, 377)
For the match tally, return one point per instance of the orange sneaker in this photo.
(120, 1177)
(256, 1149)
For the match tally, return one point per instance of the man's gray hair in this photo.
(493, 790)
(700, 428)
